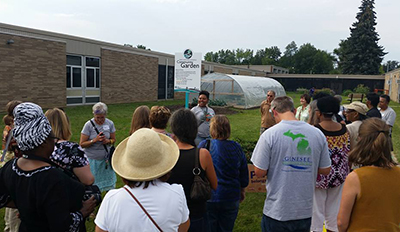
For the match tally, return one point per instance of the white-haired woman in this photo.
(93, 144)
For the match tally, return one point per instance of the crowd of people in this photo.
(326, 165)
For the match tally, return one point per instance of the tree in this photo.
(140, 46)
(360, 53)
(390, 65)
(244, 56)
(287, 60)
(309, 59)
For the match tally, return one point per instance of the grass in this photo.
(245, 126)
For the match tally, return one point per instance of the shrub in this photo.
(247, 146)
(216, 102)
(301, 90)
(325, 90)
(211, 102)
(347, 92)
(361, 89)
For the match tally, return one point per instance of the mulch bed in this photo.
(217, 109)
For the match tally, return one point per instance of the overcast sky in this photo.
(206, 25)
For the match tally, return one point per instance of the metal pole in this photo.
(187, 100)
(166, 80)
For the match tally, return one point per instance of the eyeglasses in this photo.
(270, 95)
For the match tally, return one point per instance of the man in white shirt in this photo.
(388, 114)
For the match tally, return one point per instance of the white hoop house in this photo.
(240, 91)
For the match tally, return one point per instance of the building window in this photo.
(92, 72)
(74, 71)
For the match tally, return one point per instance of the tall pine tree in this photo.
(360, 53)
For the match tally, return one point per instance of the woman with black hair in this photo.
(203, 115)
(47, 199)
(328, 188)
(184, 126)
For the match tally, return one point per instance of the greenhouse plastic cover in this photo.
(248, 91)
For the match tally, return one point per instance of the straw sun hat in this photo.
(145, 155)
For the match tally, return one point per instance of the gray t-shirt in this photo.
(203, 116)
(389, 116)
(292, 152)
(97, 151)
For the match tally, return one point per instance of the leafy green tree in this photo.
(390, 65)
(360, 53)
(287, 60)
(244, 56)
(309, 59)
(140, 46)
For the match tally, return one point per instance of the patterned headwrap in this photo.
(31, 127)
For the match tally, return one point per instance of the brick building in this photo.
(56, 70)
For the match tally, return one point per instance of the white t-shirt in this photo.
(292, 152)
(353, 128)
(164, 202)
(388, 115)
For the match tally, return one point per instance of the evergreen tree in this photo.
(360, 53)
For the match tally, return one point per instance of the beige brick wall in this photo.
(393, 89)
(128, 77)
(223, 70)
(244, 73)
(32, 70)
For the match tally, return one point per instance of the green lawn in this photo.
(245, 127)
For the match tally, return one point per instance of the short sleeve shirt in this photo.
(69, 155)
(97, 151)
(389, 116)
(292, 152)
(203, 116)
(164, 202)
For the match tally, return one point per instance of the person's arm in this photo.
(259, 172)
(111, 140)
(208, 166)
(100, 230)
(182, 227)
(324, 171)
(351, 190)
(84, 175)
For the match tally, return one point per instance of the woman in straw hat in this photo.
(146, 202)
(184, 127)
(371, 193)
(47, 199)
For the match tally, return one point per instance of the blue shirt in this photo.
(231, 168)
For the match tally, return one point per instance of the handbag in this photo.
(144, 210)
(109, 152)
(201, 189)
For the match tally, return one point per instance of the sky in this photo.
(171, 26)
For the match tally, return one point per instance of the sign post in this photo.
(187, 73)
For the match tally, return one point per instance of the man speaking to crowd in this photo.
(267, 118)
(291, 154)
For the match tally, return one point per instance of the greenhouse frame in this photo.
(240, 91)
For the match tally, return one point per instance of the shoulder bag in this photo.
(112, 148)
(144, 210)
(201, 189)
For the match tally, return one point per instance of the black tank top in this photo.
(182, 174)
